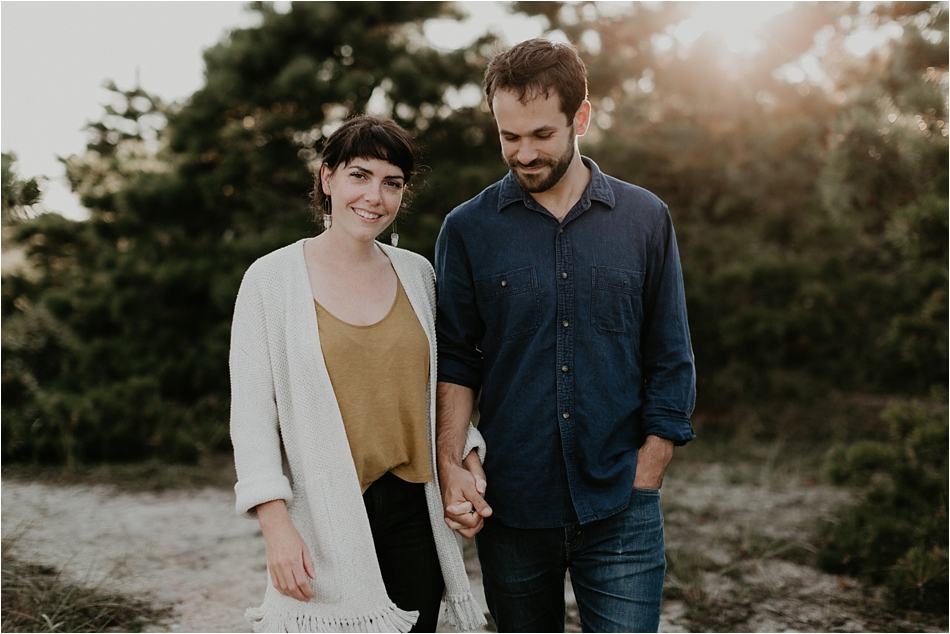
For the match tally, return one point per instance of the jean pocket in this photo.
(616, 306)
(510, 303)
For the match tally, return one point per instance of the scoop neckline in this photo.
(389, 313)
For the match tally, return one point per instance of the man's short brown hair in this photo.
(534, 69)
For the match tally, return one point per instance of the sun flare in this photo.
(736, 23)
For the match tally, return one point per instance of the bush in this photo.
(896, 534)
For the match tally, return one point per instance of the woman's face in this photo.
(365, 195)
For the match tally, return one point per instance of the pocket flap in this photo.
(517, 281)
(619, 280)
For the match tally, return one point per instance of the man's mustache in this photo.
(531, 165)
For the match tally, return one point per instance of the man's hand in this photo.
(462, 480)
(652, 459)
(463, 491)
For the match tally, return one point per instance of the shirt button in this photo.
(564, 275)
(563, 368)
(504, 282)
(561, 231)
(566, 415)
(565, 323)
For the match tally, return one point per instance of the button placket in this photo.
(565, 335)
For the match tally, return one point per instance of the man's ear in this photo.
(582, 118)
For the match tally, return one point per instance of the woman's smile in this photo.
(367, 215)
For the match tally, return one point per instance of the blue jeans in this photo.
(617, 567)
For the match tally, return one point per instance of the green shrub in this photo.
(919, 579)
(896, 534)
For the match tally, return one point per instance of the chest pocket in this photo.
(616, 305)
(510, 303)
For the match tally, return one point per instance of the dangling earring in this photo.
(327, 218)
(394, 237)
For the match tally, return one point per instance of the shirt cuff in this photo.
(679, 432)
(452, 371)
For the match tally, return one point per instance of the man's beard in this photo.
(537, 183)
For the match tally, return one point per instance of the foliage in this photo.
(38, 598)
(811, 215)
(17, 194)
(897, 533)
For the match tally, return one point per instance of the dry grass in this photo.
(38, 598)
(216, 471)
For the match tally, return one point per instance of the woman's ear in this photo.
(325, 174)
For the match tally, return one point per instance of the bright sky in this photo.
(56, 56)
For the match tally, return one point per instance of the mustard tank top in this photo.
(379, 374)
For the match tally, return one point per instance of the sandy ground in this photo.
(189, 549)
(185, 548)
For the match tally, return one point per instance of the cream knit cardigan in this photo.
(290, 444)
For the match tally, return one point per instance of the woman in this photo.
(333, 397)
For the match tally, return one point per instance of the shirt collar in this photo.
(597, 189)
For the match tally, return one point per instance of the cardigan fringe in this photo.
(391, 619)
(463, 613)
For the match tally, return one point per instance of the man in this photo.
(560, 297)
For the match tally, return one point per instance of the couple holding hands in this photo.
(557, 296)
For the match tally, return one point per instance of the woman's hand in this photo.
(465, 510)
(288, 558)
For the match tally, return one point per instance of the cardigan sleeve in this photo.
(255, 433)
(474, 442)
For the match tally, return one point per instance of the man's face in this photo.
(537, 140)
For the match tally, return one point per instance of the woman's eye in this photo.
(394, 184)
(358, 175)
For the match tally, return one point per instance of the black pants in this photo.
(399, 519)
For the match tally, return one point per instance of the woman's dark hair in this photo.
(363, 136)
(534, 69)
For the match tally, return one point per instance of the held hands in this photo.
(288, 558)
(463, 490)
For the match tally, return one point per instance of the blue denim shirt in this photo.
(575, 333)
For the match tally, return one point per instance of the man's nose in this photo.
(526, 153)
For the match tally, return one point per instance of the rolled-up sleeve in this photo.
(459, 326)
(255, 433)
(668, 367)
